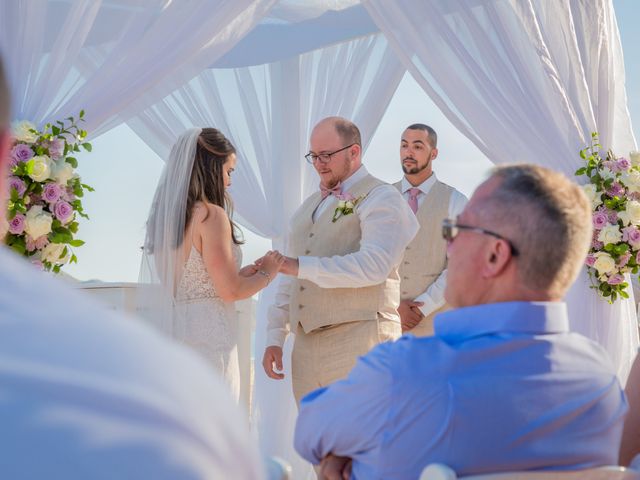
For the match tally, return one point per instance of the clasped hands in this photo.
(288, 266)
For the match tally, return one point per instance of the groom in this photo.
(346, 242)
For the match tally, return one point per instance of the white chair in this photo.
(437, 471)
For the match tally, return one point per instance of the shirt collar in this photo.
(354, 178)
(508, 317)
(424, 186)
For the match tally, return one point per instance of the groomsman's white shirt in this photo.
(388, 225)
(86, 393)
(433, 296)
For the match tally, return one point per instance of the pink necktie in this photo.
(336, 190)
(413, 199)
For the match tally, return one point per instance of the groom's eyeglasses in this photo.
(451, 229)
(324, 157)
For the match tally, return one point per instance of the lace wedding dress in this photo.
(205, 322)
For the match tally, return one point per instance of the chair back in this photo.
(437, 471)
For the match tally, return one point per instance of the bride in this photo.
(192, 253)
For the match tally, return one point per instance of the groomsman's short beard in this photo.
(416, 169)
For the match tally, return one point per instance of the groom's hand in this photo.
(333, 467)
(273, 355)
(290, 266)
(410, 314)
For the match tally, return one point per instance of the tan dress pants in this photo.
(328, 354)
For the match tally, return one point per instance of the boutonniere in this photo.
(346, 205)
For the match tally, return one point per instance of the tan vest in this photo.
(314, 307)
(426, 256)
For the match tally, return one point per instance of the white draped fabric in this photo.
(138, 52)
(526, 80)
(268, 112)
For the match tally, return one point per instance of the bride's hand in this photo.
(271, 262)
(248, 271)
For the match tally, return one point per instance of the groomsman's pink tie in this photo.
(325, 192)
(413, 198)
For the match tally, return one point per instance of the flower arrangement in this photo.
(614, 192)
(346, 205)
(45, 192)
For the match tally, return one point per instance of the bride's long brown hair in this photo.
(207, 177)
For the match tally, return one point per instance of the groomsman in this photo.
(345, 245)
(423, 271)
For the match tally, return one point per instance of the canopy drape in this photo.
(112, 59)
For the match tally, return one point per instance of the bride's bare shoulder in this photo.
(209, 214)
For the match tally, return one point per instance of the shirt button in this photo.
(406, 263)
(405, 278)
(307, 252)
(300, 307)
(301, 288)
(310, 235)
(405, 292)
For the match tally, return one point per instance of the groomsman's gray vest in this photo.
(314, 307)
(426, 256)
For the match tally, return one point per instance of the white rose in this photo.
(635, 158)
(37, 222)
(604, 263)
(41, 168)
(62, 172)
(631, 215)
(51, 253)
(21, 131)
(350, 204)
(631, 180)
(594, 196)
(342, 204)
(610, 234)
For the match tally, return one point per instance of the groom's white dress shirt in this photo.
(387, 224)
(433, 296)
(86, 393)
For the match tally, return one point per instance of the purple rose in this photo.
(56, 148)
(63, 211)
(631, 235)
(21, 153)
(615, 190)
(615, 279)
(17, 184)
(623, 164)
(42, 242)
(37, 244)
(623, 260)
(591, 259)
(600, 220)
(52, 192)
(38, 264)
(16, 224)
(596, 245)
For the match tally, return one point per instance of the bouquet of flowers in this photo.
(45, 192)
(614, 191)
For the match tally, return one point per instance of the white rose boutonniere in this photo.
(346, 205)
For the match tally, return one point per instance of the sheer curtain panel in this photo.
(268, 111)
(141, 51)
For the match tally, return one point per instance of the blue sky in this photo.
(124, 170)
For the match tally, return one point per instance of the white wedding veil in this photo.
(162, 252)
